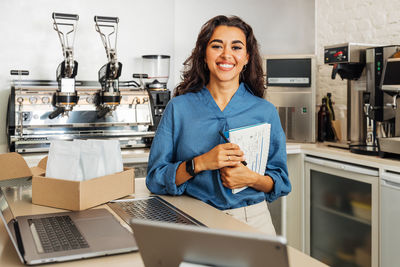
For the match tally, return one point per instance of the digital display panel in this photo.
(289, 72)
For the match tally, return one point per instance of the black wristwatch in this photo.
(190, 167)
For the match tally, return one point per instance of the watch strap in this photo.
(190, 167)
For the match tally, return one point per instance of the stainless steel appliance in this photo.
(154, 79)
(378, 113)
(338, 196)
(389, 143)
(40, 111)
(348, 61)
(29, 128)
(291, 88)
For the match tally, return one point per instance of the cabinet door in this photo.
(341, 215)
(390, 219)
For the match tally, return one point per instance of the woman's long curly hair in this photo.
(196, 73)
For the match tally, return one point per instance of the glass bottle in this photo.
(330, 107)
(322, 120)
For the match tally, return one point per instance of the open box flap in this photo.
(13, 165)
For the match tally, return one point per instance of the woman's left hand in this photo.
(238, 176)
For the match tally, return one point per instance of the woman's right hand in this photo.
(223, 155)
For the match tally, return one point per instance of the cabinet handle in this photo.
(391, 178)
(342, 166)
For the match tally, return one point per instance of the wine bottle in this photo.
(322, 121)
(330, 107)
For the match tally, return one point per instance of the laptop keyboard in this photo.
(152, 209)
(57, 233)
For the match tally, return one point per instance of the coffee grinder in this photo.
(154, 79)
(348, 61)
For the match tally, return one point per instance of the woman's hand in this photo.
(220, 156)
(237, 177)
(240, 176)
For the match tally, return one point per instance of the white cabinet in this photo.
(294, 202)
(390, 218)
(287, 212)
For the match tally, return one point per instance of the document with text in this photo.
(253, 140)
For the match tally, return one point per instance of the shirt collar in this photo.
(207, 98)
(243, 87)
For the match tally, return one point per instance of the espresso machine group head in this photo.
(109, 97)
(66, 97)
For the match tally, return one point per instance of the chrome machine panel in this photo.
(29, 128)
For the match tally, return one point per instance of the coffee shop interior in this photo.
(331, 69)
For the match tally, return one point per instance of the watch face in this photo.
(190, 167)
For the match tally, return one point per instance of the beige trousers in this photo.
(256, 215)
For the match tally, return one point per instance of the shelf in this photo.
(332, 259)
(341, 214)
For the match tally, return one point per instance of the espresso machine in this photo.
(154, 79)
(389, 143)
(379, 114)
(40, 111)
(29, 128)
(348, 60)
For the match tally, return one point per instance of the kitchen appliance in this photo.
(389, 143)
(291, 88)
(154, 79)
(377, 112)
(29, 128)
(390, 218)
(348, 61)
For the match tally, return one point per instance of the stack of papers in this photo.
(254, 141)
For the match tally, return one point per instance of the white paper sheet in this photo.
(254, 141)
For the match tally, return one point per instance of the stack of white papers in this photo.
(254, 141)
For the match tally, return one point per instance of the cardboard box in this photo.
(65, 194)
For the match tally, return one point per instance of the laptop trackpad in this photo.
(105, 232)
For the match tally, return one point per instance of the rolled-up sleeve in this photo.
(162, 165)
(277, 162)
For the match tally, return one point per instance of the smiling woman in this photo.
(222, 89)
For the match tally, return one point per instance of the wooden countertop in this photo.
(20, 202)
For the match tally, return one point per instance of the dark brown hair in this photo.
(196, 74)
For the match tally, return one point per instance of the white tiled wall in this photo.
(358, 21)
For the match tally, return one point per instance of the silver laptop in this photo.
(65, 236)
(151, 208)
(167, 244)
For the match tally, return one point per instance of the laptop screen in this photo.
(171, 244)
(9, 221)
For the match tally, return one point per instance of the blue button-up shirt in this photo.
(189, 128)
